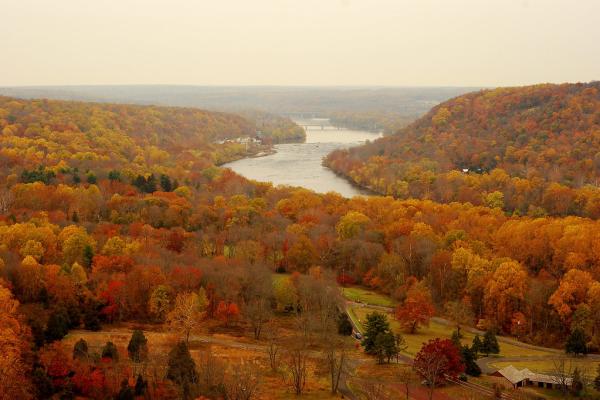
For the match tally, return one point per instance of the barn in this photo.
(524, 377)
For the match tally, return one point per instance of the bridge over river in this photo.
(309, 120)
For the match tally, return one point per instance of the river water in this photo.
(299, 164)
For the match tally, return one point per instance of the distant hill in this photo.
(533, 149)
(371, 108)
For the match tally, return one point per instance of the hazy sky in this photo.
(299, 42)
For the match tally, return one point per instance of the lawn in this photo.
(277, 278)
(437, 330)
(365, 296)
(354, 319)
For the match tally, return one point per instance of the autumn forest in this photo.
(118, 218)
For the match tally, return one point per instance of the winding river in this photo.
(299, 164)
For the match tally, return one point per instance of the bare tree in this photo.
(430, 366)
(373, 389)
(336, 363)
(407, 377)
(563, 373)
(211, 373)
(257, 293)
(6, 199)
(242, 383)
(296, 368)
(258, 312)
(401, 345)
(273, 348)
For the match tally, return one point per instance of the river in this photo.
(299, 164)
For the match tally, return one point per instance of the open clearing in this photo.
(437, 330)
(230, 349)
(365, 296)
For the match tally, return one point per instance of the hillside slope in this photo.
(533, 149)
(80, 135)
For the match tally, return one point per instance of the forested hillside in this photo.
(274, 128)
(114, 214)
(531, 150)
(93, 137)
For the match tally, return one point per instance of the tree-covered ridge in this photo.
(274, 128)
(387, 122)
(531, 149)
(64, 134)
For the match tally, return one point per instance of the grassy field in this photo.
(436, 330)
(160, 342)
(355, 319)
(365, 296)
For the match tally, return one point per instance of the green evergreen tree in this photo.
(468, 358)
(74, 314)
(476, 345)
(91, 178)
(114, 175)
(126, 392)
(140, 385)
(110, 351)
(490, 343)
(376, 323)
(88, 256)
(576, 343)
(385, 347)
(151, 184)
(58, 325)
(42, 383)
(80, 350)
(344, 325)
(138, 346)
(182, 370)
(165, 183)
(456, 337)
(91, 321)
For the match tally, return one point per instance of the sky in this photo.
(299, 42)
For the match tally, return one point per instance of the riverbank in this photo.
(368, 191)
(301, 164)
(264, 153)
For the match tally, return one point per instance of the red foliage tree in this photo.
(112, 264)
(112, 298)
(226, 311)
(345, 279)
(185, 279)
(436, 360)
(176, 241)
